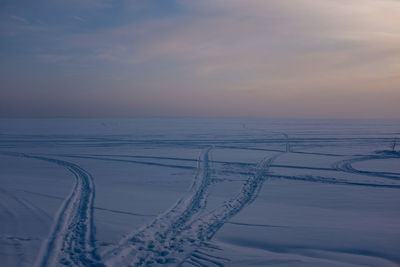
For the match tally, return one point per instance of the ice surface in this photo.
(199, 192)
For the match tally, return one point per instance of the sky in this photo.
(209, 58)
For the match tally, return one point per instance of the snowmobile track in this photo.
(71, 239)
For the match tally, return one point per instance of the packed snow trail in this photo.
(71, 239)
(178, 235)
(155, 242)
(206, 227)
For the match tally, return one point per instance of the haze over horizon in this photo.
(297, 58)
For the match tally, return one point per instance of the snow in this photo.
(199, 192)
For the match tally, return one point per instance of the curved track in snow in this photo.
(155, 242)
(346, 166)
(206, 227)
(71, 239)
(179, 235)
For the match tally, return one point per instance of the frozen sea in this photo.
(199, 192)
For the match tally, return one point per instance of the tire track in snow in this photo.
(71, 239)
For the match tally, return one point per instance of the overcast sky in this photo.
(209, 58)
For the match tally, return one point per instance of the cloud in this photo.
(50, 58)
(251, 31)
(78, 18)
(256, 57)
(20, 19)
(81, 4)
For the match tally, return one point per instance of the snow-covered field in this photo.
(197, 192)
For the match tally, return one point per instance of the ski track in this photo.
(71, 239)
(94, 207)
(36, 212)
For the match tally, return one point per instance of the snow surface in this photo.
(199, 192)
